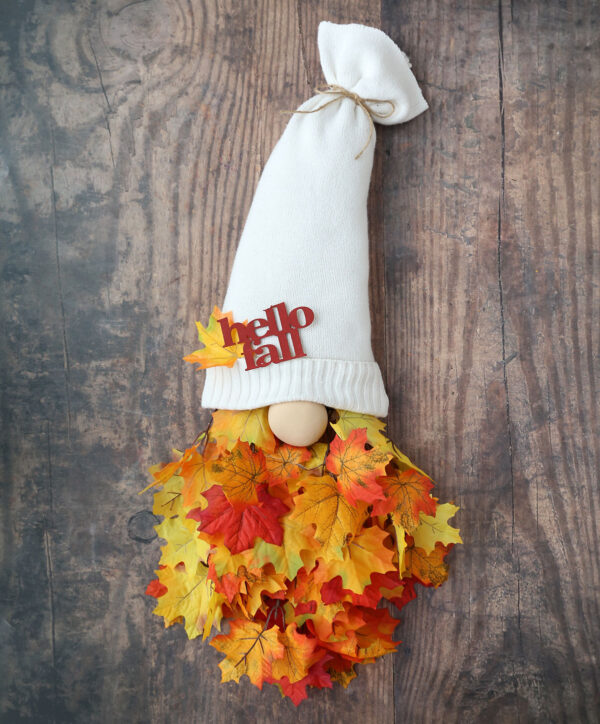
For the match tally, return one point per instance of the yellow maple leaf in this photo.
(364, 554)
(297, 549)
(226, 562)
(214, 353)
(436, 529)
(168, 500)
(317, 459)
(183, 544)
(252, 584)
(249, 648)
(328, 509)
(192, 597)
(349, 420)
(251, 426)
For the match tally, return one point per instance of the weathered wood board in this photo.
(133, 136)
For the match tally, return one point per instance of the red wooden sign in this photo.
(276, 323)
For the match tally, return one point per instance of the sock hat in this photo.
(305, 242)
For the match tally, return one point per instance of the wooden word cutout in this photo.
(289, 324)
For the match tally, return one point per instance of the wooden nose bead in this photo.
(298, 423)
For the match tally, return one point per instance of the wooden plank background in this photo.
(133, 136)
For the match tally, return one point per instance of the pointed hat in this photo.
(305, 241)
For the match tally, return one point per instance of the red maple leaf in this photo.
(241, 527)
(317, 676)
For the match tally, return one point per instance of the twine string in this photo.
(341, 92)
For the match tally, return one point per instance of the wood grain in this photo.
(491, 240)
(133, 137)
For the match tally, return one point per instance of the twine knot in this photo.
(341, 92)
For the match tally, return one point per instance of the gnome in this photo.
(292, 515)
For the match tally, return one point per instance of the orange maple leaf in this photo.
(238, 473)
(163, 473)
(215, 353)
(194, 472)
(356, 468)
(431, 569)
(299, 655)
(285, 462)
(406, 494)
(249, 648)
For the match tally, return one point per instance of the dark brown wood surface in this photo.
(133, 136)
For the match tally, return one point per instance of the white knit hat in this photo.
(305, 242)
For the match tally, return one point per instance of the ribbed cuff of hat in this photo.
(343, 384)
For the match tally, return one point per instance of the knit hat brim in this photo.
(342, 384)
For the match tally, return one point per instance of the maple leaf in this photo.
(406, 495)
(318, 451)
(239, 528)
(249, 648)
(168, 500)
(436, 528)
(363, 634)
(239, 473)
(400, 459)
(224, 561)
(319, 614)
(383, 585)
(334, 516)
(299, 654)
(255, 582)
(365, 554)
(430, 568)
(161, 474)
(194, 471)
(356, 468)
(286, 462)
(349, 421)
(183, 544)
(191, 597)
(320, 623)
(344, 677)
(409, 593)
(215, 353)
(251, 426)
(317, 677)
(296, 548)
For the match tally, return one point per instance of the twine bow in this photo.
(342, 92)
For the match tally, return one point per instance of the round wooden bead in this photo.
(298, 423)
